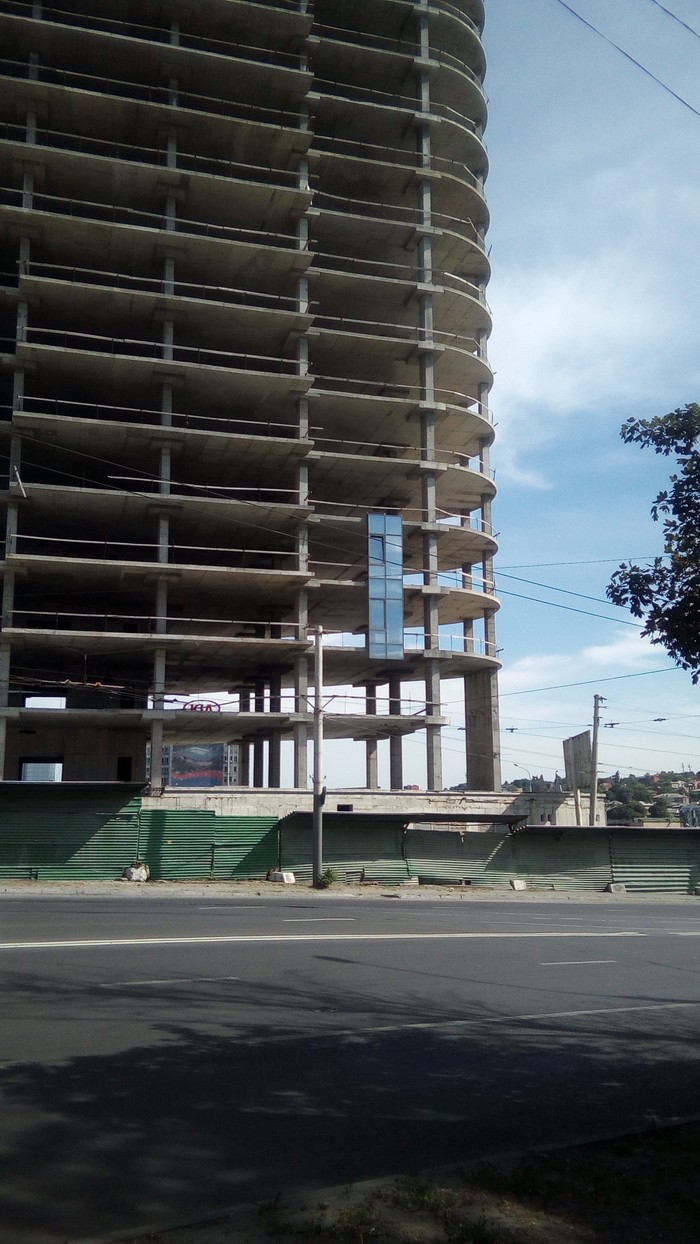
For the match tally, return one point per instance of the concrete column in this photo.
(371, 746)
(395, 740)
(168, 339)
(157, 726)
(21, 325)
(244, 745)
(164, 471)
(301, 692)
(5, 663)
(27, 191)
(259, 743)
(161, 606)
(169, 277)
(274, 779)
(481, 731)
(433, 733)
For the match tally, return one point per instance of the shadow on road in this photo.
(191, 1117)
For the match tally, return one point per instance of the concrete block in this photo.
(284, 878)
(516, 883)
(615, 887)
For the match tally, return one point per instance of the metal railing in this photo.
(128, 89)
(145, 624)
(139, 415)
(158, 34)
(404, 160)
(156, 350)
(184, 161)
(217, 557)
(155, 285)
(112, 213)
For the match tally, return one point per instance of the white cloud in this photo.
(572, 337)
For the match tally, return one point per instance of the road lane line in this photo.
(318, 919)
(169, 980)
(267, 938)
(538, 1016)
(569, 963)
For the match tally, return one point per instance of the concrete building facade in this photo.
(243, 378)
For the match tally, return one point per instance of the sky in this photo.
(593, 189)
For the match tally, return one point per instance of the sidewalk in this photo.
(133, 890)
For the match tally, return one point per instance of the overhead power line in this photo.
(675, 18)
(627, 55)
(549, 587)
(589, 682)
(569, 608)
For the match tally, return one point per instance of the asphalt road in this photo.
(161, 1058)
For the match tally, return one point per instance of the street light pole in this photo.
(317, 832)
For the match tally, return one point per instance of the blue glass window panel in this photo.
(377, 615)
(394, 620)
(394, 554)
(385, 585)
(376, 549)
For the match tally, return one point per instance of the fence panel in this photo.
(657, 860)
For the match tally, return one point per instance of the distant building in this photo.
(203, 764)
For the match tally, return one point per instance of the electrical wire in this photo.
(591, 682)
(675, 18)
(664, 86)
(549, 587)
(571, 609)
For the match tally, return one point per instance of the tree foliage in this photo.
(665, 593)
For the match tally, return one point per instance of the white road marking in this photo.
(233, 906)
(170, 980)
(568, 963)
(318, 919)
(542, 1015)
(266, 938)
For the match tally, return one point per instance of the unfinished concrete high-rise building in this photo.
(244, 381)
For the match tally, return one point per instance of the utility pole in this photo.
(319, 793)
(597, 701)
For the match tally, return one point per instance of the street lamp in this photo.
(319, 794)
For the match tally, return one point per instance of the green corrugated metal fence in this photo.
(65, 832)
(72, 831)
(352, 845)
(184, 844)
(562, 859)
(656, 860)
(451, 855)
